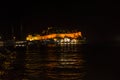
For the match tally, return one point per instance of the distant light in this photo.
(74, 41)
(55, 39)
(66, 40)
(61, 40)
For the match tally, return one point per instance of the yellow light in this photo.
(66, 40)
(73, 40)
(55, 39)
(52, 36)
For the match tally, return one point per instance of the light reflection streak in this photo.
(63, 63)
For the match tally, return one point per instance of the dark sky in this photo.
(94, 20)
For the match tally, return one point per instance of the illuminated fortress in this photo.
(54, 36)
(58, 35)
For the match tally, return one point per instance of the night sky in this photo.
(96, 21)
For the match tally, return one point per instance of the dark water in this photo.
(66, 62)
(103, 61)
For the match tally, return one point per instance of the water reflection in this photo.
(65, 62)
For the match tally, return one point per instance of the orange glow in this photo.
(53, 36)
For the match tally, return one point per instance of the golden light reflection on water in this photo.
(62, 63)
(7, 59)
